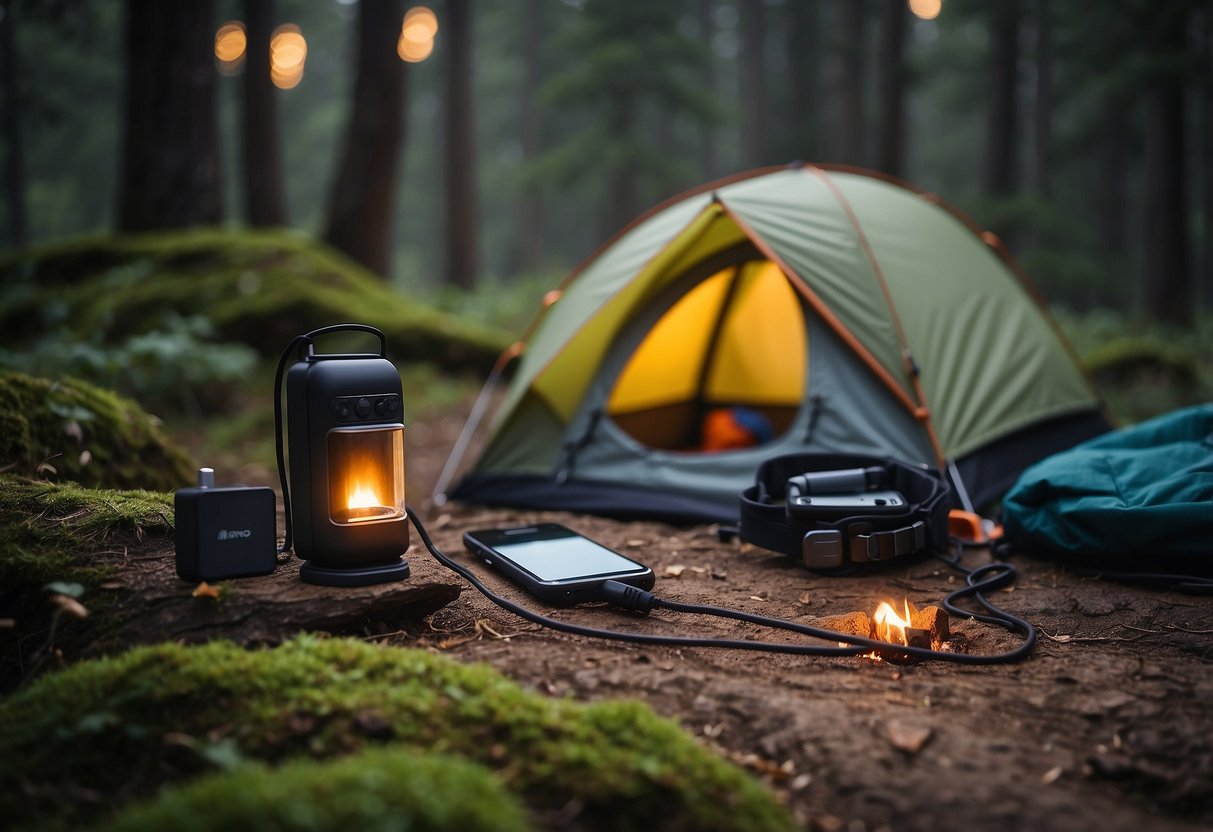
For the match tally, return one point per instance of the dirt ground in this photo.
(1107, 726)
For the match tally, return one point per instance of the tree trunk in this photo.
(14, 159)
(752, 62)
(624, 200)
(709, 158)
(1042, 121)
(462, 231)
(803, 47)
(1205, 274)
(1166, 280)
(890, 70)
(362, 196)
(264, 193)
(530, 232)
(170, 169)
(850, 89)
(1001, 163)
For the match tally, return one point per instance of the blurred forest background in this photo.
(472, 152)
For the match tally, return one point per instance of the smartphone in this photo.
(554, 563)
(873, 502)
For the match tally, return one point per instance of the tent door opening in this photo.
(723, 367)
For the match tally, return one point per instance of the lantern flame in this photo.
(363, 496)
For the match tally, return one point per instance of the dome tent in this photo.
(851, 312)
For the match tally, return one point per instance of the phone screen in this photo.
(556, 554)
(563, 558)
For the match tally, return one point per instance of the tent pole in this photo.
(963, 493)
(473, 422)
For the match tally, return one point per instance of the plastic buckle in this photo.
(895, 543)
(822, 549)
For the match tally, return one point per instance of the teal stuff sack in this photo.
(1143, 494)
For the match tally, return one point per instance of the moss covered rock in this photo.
(77, 744)
(68, 429)
(381, 790)
(256, 287)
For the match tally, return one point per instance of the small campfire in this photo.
(903, 625)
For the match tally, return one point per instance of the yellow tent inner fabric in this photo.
(567, 373)
(736, 338)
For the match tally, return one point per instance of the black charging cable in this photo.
(979, 581)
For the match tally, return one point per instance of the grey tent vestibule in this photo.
(839, 309)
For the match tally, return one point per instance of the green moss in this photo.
(1136, 354)
(100, 728)
(257, 287)
(72, 430)
(1143, 375)
(51, 533)
(46, 527)
(393, 789)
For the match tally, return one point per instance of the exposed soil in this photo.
(1108, 725)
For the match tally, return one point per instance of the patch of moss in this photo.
(44, 527)
(1131, 355)
(1143, 376)
(71, 430)
(380, 789)
(257, 287)
(99, 730)
(50, 533)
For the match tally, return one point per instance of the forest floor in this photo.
(1107, 725)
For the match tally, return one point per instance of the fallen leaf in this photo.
(205, 590)
(804, 599)
(1051, 776)
(86, 456)
(907, 737)
(698, 570)
(674, 570)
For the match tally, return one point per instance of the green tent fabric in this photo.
(899, 329)
(1144, 492)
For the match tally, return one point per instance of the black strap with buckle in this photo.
(834, 538)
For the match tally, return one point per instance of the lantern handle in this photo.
(306, 348)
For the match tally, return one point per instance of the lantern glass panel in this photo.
(366, 475)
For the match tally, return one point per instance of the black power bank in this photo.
(228, 532)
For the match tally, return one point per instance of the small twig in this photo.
(1186, 630)
(1142, 629)
(482, 624)
(1064, 639)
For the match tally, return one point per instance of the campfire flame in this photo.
(890, 626)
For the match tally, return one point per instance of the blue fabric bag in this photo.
(1143, 494)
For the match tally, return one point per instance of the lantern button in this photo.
(363, 408)
(393, 405)
(380, 407)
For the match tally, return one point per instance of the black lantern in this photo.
(345, 509)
